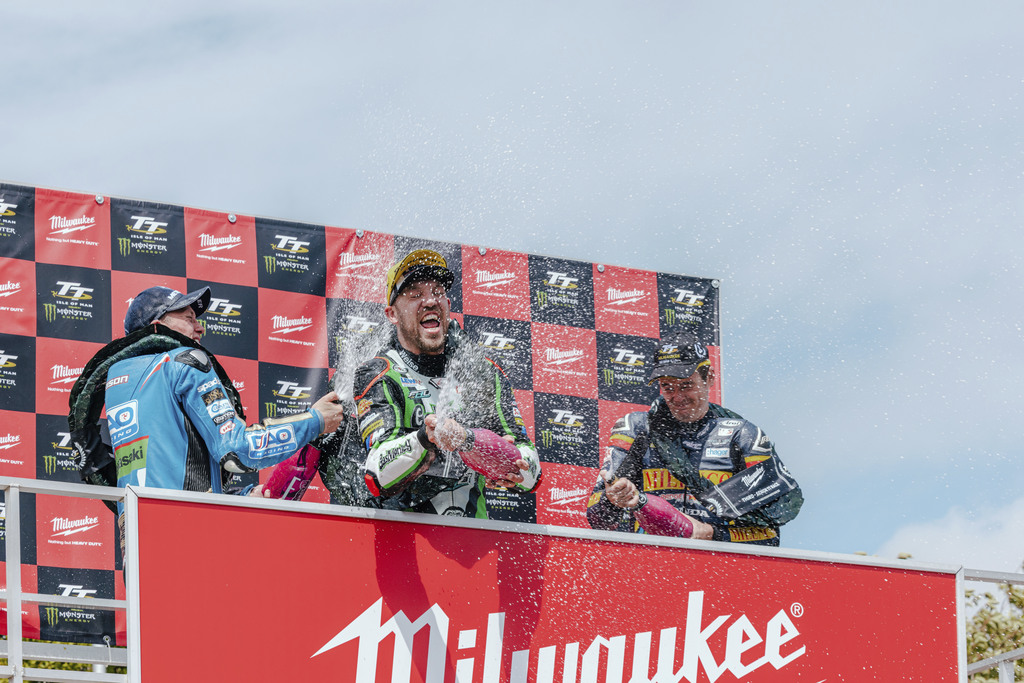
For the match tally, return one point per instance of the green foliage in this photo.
(997, 627)
(59, 666)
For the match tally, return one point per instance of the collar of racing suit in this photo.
(431, 365)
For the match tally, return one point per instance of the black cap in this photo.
(152, 303)
(678, 357)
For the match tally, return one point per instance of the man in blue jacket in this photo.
(175, 420)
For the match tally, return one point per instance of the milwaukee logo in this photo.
(62, 226)
(283, 325)
(743, 642)
(211, 243)
(350, 261)
(9, 441)
(8, 288)
(65, 527)
(65, 375)
(568, 496)
(560, 357)
(617, 297)
(486, 278)
(750, 480)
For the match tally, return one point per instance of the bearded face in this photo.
(420, 315)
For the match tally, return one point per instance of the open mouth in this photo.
(431, 321)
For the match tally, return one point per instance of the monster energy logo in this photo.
(542, 298)
(50, 310)
(609, 376)
(52, 615)
(270, 263)
(50, 463)
(547, 437)
(124, 245)
(270, 409)
(670, 316)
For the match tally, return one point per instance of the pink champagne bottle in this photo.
(290, 479)
(494, 457)
(658, 518)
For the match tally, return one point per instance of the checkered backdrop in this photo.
(290, 302)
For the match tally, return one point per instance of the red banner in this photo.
(389, 597)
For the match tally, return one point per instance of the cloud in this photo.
(984, 537)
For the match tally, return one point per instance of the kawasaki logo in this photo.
(743, 642)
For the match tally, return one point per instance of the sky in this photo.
(853, 173)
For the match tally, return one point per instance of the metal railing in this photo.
(1006, 661)
(15, 648)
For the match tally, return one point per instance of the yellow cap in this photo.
(421, 264)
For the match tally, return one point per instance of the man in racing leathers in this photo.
(175, 420)
(681, 446)
(412, 460)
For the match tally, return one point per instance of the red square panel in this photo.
(18, 444)
(220, 249)
(626, 301)
(72, 228)
(564, 360)
(563, 495)
(123, 288)
(74, 532)
(293, 328)
(357, 263)
(18, 296)
(524, 402)
(59, 363)
(495, 284)
(245, 376)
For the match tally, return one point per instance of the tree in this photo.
(996, 628)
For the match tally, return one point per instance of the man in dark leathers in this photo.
(679, 449)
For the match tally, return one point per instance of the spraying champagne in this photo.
(656, 515)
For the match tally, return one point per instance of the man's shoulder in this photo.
(719, 411)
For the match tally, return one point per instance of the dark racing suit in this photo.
(396, 390)
(681, 461)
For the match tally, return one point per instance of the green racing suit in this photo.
(396, 390)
